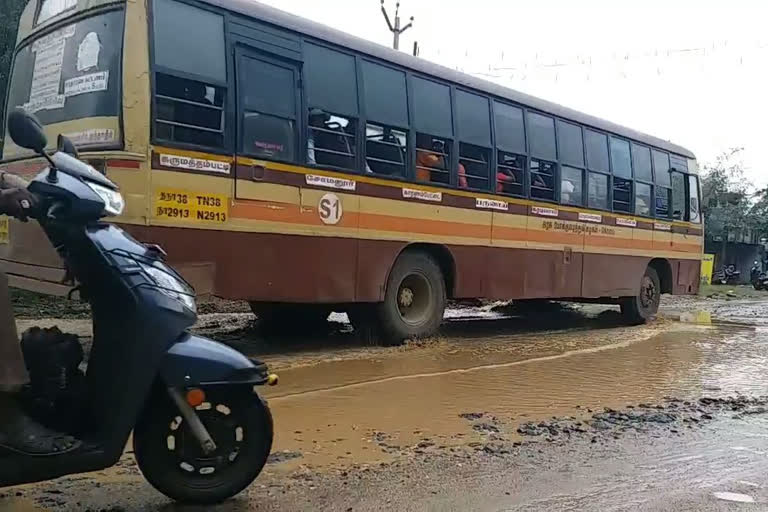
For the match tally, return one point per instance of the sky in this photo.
(691, 71)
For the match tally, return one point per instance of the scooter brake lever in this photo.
(157, 251)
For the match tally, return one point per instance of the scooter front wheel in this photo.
(171, 459)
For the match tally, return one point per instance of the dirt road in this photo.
(567, 410)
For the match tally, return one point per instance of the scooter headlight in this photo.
(113, 200)
(171, 286)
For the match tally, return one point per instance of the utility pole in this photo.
(396, 30)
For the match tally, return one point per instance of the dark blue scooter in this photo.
(201, 433)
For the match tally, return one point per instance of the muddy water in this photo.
(342, 410)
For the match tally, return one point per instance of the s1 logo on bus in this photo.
(330, 209)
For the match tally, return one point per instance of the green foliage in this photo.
(9, 21)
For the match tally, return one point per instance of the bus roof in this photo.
(322, 32)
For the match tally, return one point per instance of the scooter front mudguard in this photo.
(197, 361)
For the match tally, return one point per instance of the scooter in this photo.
(201, 432)
(758, 278)
(727, 275)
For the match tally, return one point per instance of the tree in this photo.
(9, 22)
(727, 198)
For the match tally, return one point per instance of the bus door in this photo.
(268, 106)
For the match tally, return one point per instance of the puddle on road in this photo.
(342, 410)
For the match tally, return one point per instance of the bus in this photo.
(293, 166)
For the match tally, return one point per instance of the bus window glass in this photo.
(432, 108)
(570, 143)
(643, 199)
(622, 195)
(268, 104)
(510, 174)
(620, 158)
(662, 202)
(661, 168)
(571, 185)
(510, 129)
(641, 161)
(386, 100)
(474, 118)
(331, 80)
(189, 111)
(189, 40)
(79, 92)
(433, 159)
(52, 8)
(542, 179)
(693, 193)
(542, 136)
(597, 151)
(597, 191)
(386, 150)
(678, 196)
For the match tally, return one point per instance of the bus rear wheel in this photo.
(644, 306)
(414, 302)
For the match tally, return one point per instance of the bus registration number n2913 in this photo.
(190, 206)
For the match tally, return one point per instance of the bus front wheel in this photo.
(644, 306)
(414, 302)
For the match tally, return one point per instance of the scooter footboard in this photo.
(198, 361)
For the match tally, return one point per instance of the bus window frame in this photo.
(652, 206)
(561, 163)
(612, 177)
(229, 148)
(458, 141)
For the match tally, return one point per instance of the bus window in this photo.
(52, 8)
(570, 143)
(641, 163)
(510, 174)
(542, 179)
(571, 185)
(191, 74)
(541, 131)
(510, 130)
(597, 196)
(597, 151)
(678, 196)
(331, 140)
(386, 150)
(661, 177)
(386, 107)
(433, 159)
(694, 214)
(643, 199)
(474, 166)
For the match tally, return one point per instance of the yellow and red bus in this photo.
(284, 163)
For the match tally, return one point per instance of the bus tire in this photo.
(644, 306)
(414, 302)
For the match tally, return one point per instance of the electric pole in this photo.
(396, 30)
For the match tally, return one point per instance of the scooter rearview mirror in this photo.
(26, 131)
(65, 145)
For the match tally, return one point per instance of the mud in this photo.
(515, 409)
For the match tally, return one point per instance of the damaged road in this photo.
(569, 411)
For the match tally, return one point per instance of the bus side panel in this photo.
(607, 275)
(374, 263)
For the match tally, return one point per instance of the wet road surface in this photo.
(464, 422)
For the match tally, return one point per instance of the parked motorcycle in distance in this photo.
(757, 277)
(201, 433)
(727, 275)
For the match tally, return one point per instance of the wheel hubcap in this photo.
(414, 299)
(647, 292)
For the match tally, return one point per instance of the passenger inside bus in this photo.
(330, 140)
(431, 164)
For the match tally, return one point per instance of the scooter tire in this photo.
(164, 472)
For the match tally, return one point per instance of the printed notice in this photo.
(590, 217)
(331, 182)
(409, 193)
(5, 233)
(46, 73)
(547, 212)
(662, 227)
(88, 52)
(491, 204)
(195, 164)
(95, 82)
(630, 223)
(187, 206)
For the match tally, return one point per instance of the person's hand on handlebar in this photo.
(17, 202)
